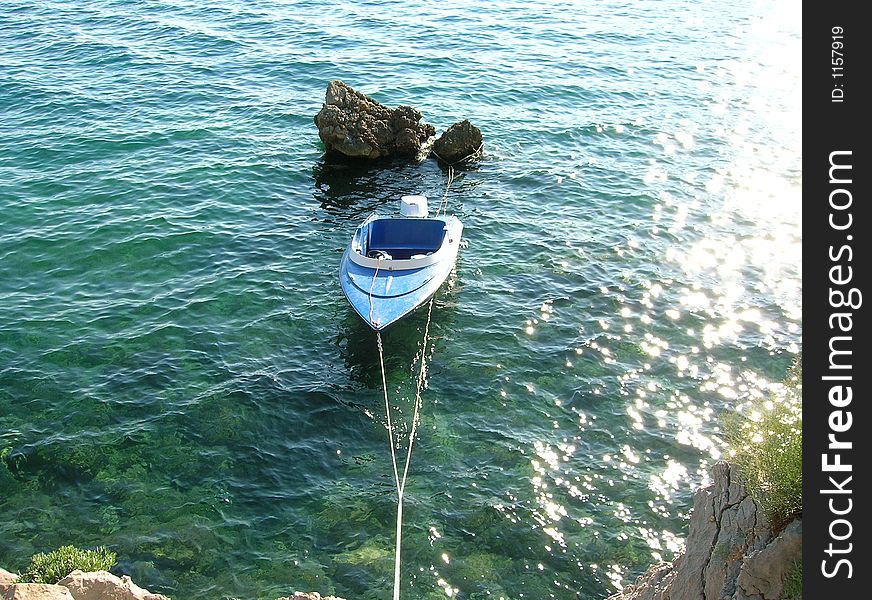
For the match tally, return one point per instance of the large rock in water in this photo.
(730, 553)
(357, 126)
(459, 141)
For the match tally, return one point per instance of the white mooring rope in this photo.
(444, 203)
(401, 481)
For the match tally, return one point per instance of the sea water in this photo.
(182, 381)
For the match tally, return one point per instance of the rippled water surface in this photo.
(182, 380)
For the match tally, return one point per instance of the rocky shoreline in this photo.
(731, 553)
(99, 585)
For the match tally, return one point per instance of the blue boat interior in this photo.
(401, 239)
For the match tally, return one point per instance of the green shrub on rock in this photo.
(53, 566)
(768, 452)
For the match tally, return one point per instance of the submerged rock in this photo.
(357, 126)
(459, 141)
(730, 554)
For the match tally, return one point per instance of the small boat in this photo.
(394, 264)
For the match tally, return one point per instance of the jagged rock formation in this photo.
(730, 553)
(459, 141)
(763, 573)
(357, 126)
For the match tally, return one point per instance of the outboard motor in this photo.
(413, 206)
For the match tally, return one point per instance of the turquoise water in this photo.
(181, 379)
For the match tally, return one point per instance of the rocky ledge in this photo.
(354, 125)
(99, 585)
(731, 551)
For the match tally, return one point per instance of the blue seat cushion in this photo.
(405, 237)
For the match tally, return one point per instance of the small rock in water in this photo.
(355, 125)
(459, 141)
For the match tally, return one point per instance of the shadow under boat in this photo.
(401, 341)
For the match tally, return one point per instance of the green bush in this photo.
(53, 566)
(768, 451)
